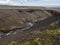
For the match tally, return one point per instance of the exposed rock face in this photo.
(14, 18)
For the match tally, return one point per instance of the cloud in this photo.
(31, 2)
(18, 2)
(45, 0)
(24, 0)
(4, 1)
(49, 0)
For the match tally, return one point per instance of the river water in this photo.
(28, 26)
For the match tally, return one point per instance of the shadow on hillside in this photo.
(45, 24)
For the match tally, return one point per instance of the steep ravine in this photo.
(5, 34)
(18, 34)
(30, 27)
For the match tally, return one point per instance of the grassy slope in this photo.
(51, 37)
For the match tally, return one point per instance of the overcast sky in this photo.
(49, 3)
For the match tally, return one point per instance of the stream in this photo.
(28, 26)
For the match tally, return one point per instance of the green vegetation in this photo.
(54, 25)
(47, 37)
(32, 42)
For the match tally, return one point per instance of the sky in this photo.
(47, 3)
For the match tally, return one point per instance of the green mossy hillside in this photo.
(49, 37)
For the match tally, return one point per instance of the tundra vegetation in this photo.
(49, 37)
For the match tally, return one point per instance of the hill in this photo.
(22, 24)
